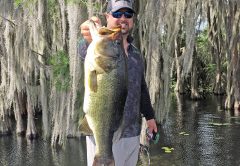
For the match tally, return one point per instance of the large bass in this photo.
(105, 89)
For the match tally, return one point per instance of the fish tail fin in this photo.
(103, 161)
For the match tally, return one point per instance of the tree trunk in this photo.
(18, 110)
(157, 73)
(143, 138)
(194, 78)
(31, 132)
(236, 76)
(179, 67)
(215, 39)
(64, 24)
(232, 27)
(44, 50)
(75, 17)
(5, 125)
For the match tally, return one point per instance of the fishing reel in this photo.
(152, 136)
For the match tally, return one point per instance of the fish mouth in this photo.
(107, 31)
(113, 33)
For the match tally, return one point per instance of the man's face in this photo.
(125, 23)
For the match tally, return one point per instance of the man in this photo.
(125, 150)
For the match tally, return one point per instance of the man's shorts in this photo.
(125, 151)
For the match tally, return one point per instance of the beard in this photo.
(124, 31)
(124, 28)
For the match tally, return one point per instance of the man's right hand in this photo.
(85, 28)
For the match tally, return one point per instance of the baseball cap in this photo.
(115, 5)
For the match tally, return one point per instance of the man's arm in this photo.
(146, 107)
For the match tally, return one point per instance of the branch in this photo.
(8, 20)
(36, 52)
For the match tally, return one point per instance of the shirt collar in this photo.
(130, 39)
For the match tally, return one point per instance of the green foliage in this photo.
(225, 66)
(24, 3)
(210, 68)
(167, 149)
(18, 3)
(59, 63)
(206, 69)
(84, 2)
(173, 82)
(51, 4)
(53, 10)
(97, 6)
(208, 76)
(203, 46)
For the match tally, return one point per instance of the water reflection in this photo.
(213, 134)
(211, 138)
(18, 151)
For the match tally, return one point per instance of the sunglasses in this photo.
(119, 14)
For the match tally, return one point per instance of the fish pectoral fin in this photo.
(93, 81)
(84, 127)
(105, 63)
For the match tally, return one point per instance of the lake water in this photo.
(196, 132)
